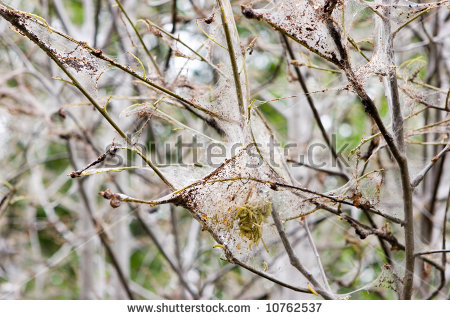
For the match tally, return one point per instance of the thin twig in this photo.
(232, 53)
(100, 230)
(295, 262)
(177, 39)
(444, 250)
(174, 28)
(316, 254)
(160, 248)
(341, 174)
(152, 59)
(311, 103)
(431, 252)
(263, 275)
(421, 175)
(386, 250)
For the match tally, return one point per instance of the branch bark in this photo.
(396, 146)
